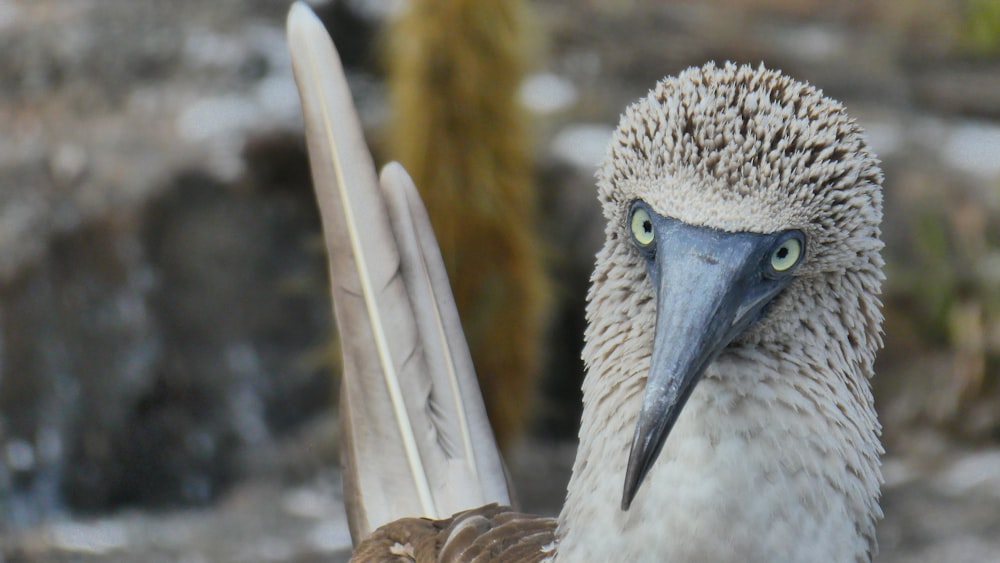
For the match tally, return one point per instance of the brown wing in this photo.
(481, 535)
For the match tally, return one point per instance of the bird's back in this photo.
(487, 533)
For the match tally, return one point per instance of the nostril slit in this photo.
(708, 258)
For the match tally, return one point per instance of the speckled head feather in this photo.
(779, 442)
(744, 149)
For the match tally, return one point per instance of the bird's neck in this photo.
(757, 468)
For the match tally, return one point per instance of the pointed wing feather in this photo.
(411, 448)
(362, 268)
(465, 431)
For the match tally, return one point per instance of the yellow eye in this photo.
(642, 227)
(786, 255)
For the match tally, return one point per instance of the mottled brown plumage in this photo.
(484, 534)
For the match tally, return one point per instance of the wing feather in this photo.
(464, 428)
(417, 442)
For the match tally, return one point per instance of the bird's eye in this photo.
(642, 227)
(786, 255)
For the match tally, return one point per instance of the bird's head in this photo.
(735, 197)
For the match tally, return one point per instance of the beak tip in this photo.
(634, 473)
(627, 498)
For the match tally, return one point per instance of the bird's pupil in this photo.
(782, 252)
(647, 226)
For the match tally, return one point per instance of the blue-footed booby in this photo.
(733, 321)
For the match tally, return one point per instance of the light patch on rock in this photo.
(974, 147)
(547, 93)
(330, 536)
(97, 538)
(582, 145)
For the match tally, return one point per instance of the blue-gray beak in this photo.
(710, 286)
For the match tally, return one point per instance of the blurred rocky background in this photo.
(167, 359)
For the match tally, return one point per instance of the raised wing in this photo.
(416, 440)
